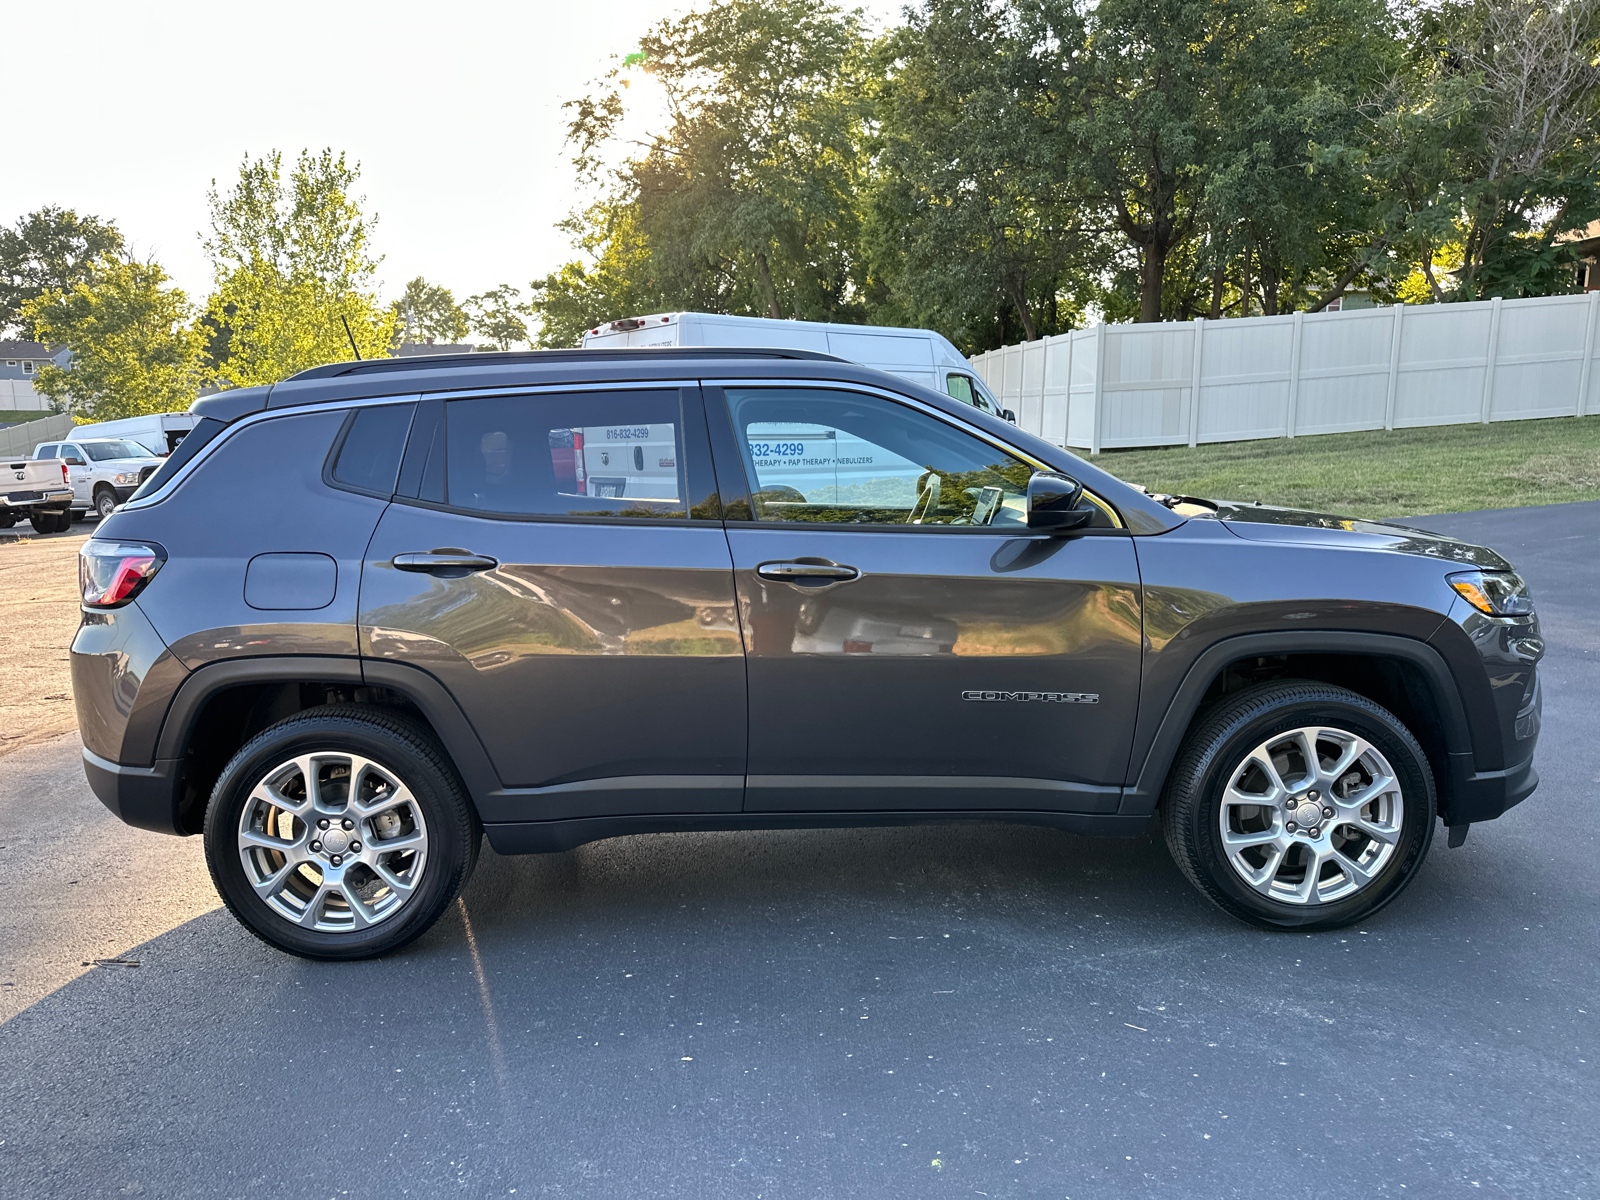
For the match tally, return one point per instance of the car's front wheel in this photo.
(1299, 805)
(105, 503)
(340, 833)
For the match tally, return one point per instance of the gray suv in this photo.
(561, 596)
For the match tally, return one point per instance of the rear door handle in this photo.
(438, 560)
(807, 571)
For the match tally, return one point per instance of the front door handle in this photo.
(444, 560)
(807, 571)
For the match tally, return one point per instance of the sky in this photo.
(130, 111)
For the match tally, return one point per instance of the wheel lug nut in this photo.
(316, 845)
(1291, 827)
(1327, 812)
(1311, 795)
(348, 823)
(322, 824)
(355, 847)
(337, 859)
(1315, 832)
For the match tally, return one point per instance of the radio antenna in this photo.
(351, 336)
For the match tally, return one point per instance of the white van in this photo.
(919, 355)
(159, 433)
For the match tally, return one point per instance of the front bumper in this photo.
(1484, 795)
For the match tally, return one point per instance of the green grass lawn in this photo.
(1404, 472)
(15, 416)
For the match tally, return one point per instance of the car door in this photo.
(543, 561)
(80, 472)
(910, 645)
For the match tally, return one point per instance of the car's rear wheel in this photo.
(48, 521)
(7, 520)
(340, 833)
(1299, 805)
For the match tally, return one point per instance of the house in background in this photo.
(1586, 243)
(19, 363)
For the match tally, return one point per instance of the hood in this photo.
(1266, 523)
(126, 464)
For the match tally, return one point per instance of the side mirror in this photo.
(1009, 415)
(1053, 503)
(74, 462)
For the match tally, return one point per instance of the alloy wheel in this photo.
(333, 842)
(1311, 816)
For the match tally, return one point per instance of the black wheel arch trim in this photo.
(159, 790)
(1149, 777)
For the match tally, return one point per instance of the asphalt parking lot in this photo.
(937, 1012)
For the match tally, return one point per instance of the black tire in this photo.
(7, 520)
(43, 521)
(1219, 746)
(105, 503)
(402, 749)
(78, 516)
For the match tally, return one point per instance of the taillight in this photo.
(577, 464)
(112, 573)
(65, 478)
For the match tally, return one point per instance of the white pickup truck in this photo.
(39, 489)
(104, 472)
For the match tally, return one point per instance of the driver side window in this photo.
(834, 457)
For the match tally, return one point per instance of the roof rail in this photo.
(501, 358)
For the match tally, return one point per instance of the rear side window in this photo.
(369, 456)
(45, 452)
(574, 454)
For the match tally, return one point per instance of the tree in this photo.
(51, 249)
(974, 211)
(135, 347)
(428, 312)
(497, 315)
(748, 199)
(1535, 170)
(617, 280)
(1485, 143)
(293, 267)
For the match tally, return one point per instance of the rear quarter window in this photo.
(368, 456)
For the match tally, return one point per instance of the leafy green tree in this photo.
(615, 278)
(1529, 167)
(975, 217)
(51, 249)
(748, 199)
(293, 266)
(428, 311)
(497, 316)
(135, 347)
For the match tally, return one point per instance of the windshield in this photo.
(102, 451)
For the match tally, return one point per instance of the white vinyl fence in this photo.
(17, 441)
(1175, 384)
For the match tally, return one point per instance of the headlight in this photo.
(127, 479)
(1497, 593)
